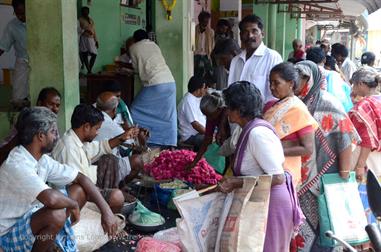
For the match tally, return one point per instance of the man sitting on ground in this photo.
(31, 212)
(191, 120)
(125, 168)
(77, 148)
(49, 97)
(123, 115)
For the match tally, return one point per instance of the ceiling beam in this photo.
(294, 1)
(311, 9)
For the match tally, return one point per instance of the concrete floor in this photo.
(128, 240)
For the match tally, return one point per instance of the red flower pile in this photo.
(171, 165)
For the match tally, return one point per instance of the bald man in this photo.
(127, 167)
(297, 45)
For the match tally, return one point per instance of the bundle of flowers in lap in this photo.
(171, 165)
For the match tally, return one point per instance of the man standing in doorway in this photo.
(204, 46)
(88, 42)
(15, 35)
(255, 62)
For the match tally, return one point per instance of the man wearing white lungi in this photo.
(15, 35)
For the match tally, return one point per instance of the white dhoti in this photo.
(20, 87)
(87, 44)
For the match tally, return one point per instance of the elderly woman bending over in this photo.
(259, 151)
(213, 107)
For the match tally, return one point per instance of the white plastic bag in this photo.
(88, 231)
(200, 220)
(169, 235)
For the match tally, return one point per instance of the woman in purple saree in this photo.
(259, 151)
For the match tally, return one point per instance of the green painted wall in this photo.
(280, 31)
(291, 34)
(53, 52)
(173, 38)
(111, 29)
(299, 28)
(280, 28)
(261, 10)
(4, 125)
(272, 26)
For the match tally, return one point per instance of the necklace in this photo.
(168, 8)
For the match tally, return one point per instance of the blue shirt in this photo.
(15, 34)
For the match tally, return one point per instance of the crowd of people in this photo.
(316, 114)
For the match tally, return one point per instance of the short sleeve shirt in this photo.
(256, 69)
(23, 178)
(263, 154)
(189, 112)
(15, 35)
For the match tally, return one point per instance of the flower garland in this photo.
(168, 8)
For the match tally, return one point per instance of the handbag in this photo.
(341, 210)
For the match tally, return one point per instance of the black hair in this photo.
(244, 97)
(368, 58)
(195, 83)
(226, 46)
(84, 113)
(251, 19)
(340, 50)
(85, 8)
(16, 3)
(294, 61)
(330, 62)
(287, 72)
(111, 86)
(140, 35)
(43, 95)
(323, 46)
(203, 15)
(315, 54)
(223, 22)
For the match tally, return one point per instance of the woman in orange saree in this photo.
(291, 119)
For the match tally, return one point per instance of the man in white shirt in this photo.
(340, 53)
(255, 62)
(31, 212)
(15, 35)
(77, 148)
(127, 167)
(191, 120)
